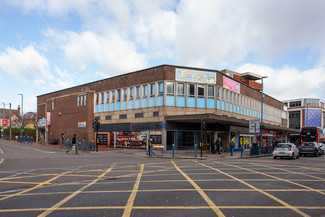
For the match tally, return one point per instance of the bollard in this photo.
(68, 143)
(195, 148)
(241, 150)
(92, 145)
(77, 145)
(60, 143)
(173, 150)
(21, 139)
(83, 145)
(27, 139)
(31, 140)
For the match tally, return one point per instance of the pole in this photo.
(22, 116)
(201, 143)
(4, 117)
(9, 121)
(262, 114)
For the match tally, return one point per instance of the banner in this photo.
(231, 84)
(195, 76)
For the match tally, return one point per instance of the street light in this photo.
(22, 116)
(262, 113)
(4, 117)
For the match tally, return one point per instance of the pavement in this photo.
(178, 154)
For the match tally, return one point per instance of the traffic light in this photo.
(203, 125)
(96, 124)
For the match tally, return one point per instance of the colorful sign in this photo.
(82, 124)
(313, 117)
(42, 122)
(231, 84)
(48, 118)
(195, 76)
(4, 122)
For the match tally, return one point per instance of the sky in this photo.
(49, 45)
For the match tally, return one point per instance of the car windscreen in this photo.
(283, 145)
(307, 145)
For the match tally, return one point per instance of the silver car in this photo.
(286, 150)
(322, 147)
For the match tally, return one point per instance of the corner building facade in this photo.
(165, 104)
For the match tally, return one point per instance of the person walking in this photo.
(232, 145)
(221, 146)
(218, 145)
(73, 146)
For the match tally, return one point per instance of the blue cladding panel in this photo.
(101, 108)
(227, 107)
(230, 107)
(106, 107)
(181, 101)
(211, 103)
(113, 106)
(118, 106)
(223, 105)
(218, 104)
(96, 108)
(152, 102)
(130, 104)
(124, 105)
(191, 102)
(160, 101)
(170, 100)
(137, 104)
(200, 102)
(144, 102)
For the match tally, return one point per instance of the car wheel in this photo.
(275, 157)
(316, 154)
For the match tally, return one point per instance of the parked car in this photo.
(286, 150)
(322, 146)
(310, 148)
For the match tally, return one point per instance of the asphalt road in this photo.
(42, 181)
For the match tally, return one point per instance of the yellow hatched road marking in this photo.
(201, 192)
(48, 211)
(259, 190)
(129, 204)
(162, 208)
(37, 186)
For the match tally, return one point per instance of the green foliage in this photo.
(16, 131)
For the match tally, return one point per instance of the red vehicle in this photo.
(312, 134)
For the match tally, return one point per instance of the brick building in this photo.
(165, 104)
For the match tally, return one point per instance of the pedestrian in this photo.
(73, 141)
(232, 145)
(221, 146)
(218, 145)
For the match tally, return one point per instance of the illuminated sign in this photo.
(231, 84)
(195, 76)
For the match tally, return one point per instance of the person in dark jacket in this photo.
(232, 146)
(218, 145)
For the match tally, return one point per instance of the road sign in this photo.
(254, 126)
(4, 122)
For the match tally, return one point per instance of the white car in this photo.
(286, 150)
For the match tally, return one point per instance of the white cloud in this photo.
(26, 64)
(289, 82)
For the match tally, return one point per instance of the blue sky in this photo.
(48, 45)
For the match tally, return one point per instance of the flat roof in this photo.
(252, 76)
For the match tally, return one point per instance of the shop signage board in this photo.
(195, 76)
(254, 126)
(4, 122)
(231, 84)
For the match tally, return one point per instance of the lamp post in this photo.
(22, 116)
(262, 112)
(4, 117)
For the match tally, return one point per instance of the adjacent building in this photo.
(165, 104)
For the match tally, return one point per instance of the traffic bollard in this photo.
(173, 150)
(83, 145)
(195, 148)
(31, 140)
(92, 145)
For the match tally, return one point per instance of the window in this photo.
(123, 116)
(81, 102)
(155, 114)
(152, 89)
(131, 93)
(210, 91)
(138, 92)
(78, 101)
(218, 92)
(85, 100)
(97, 98)
(180, 89)
(160, 88)
(102, 98)
(145, 90)
(113, 95)
(108, 117)
(107, 97)
(118, 95)
(170, 88)
(295, 104)
(138, 115)
(191, 89)
(200, 91)
(125, 93)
